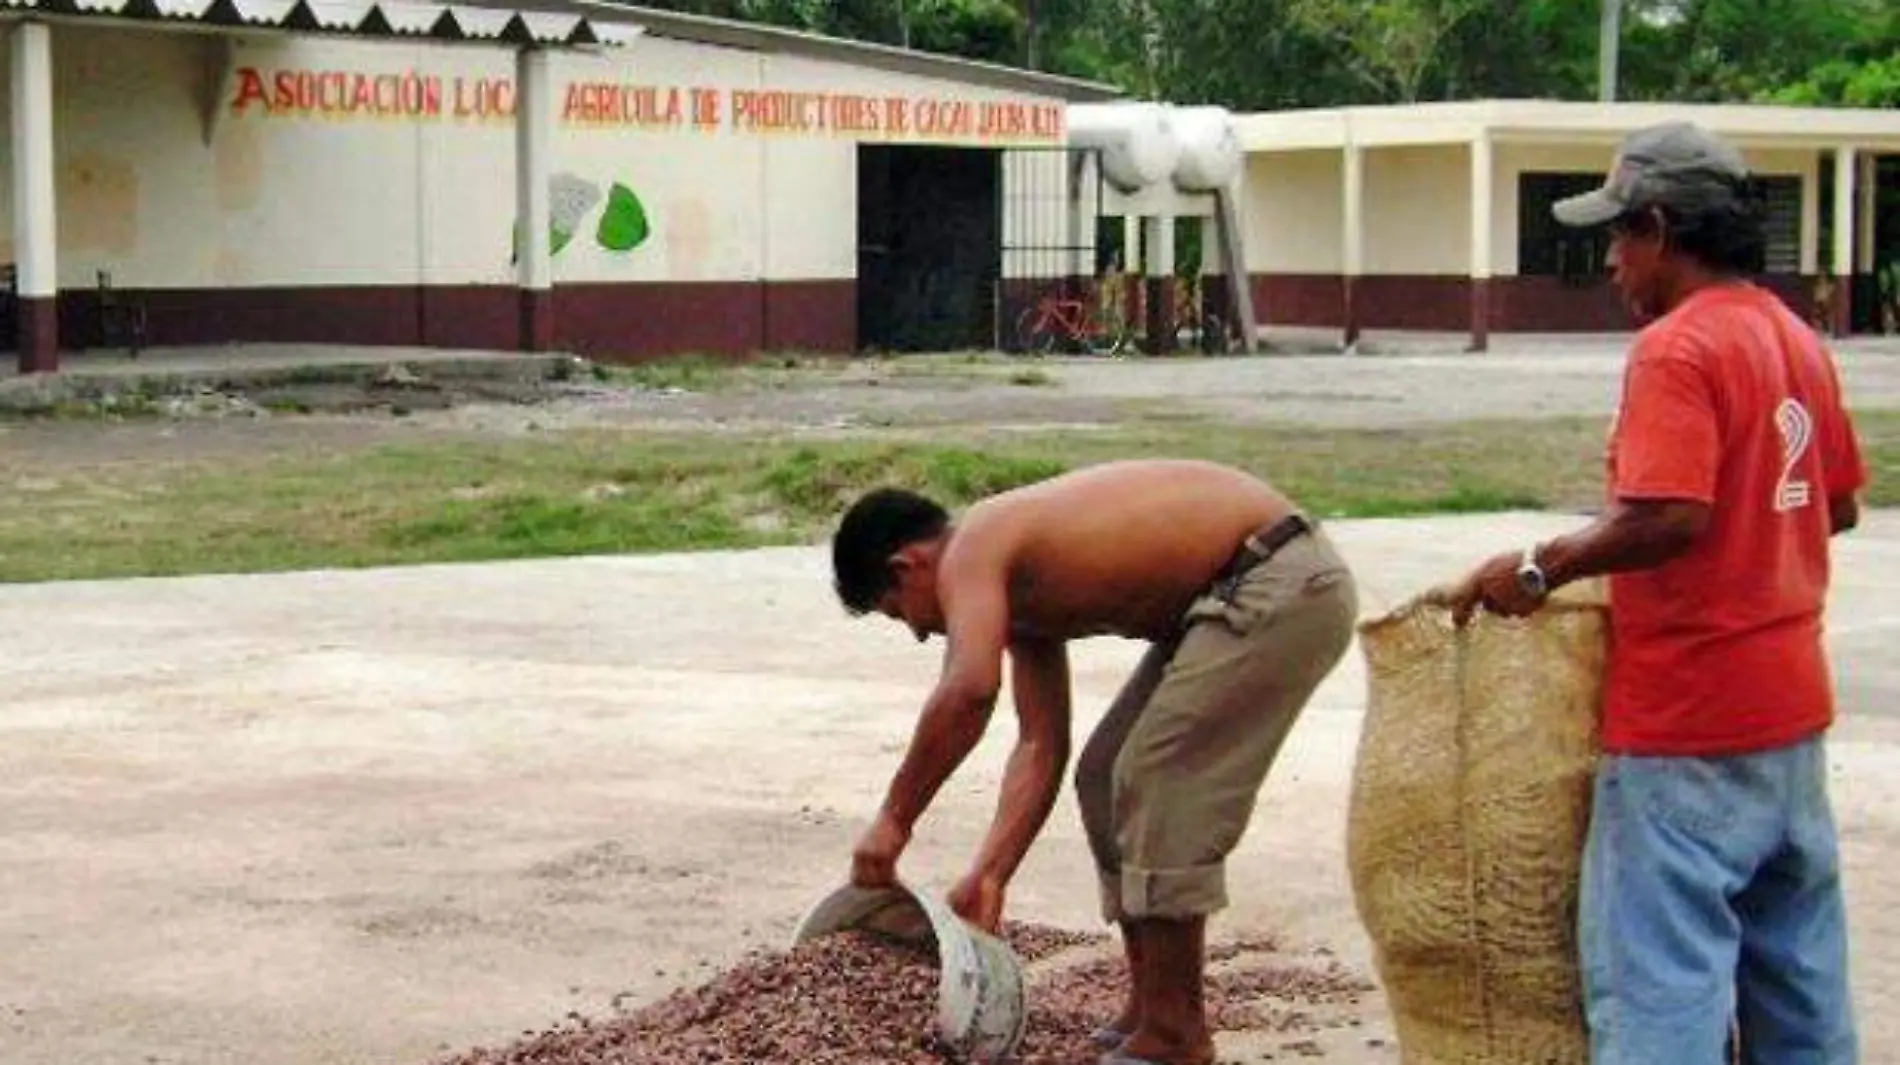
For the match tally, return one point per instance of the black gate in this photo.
(1062, 281)
(929, 241)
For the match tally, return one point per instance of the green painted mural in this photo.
(623, 225)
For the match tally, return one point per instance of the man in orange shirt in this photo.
(1711, 880)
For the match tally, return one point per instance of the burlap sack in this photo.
(1470, 803)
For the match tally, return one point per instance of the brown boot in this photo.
(1173, 1009)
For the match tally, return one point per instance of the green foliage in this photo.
(1391, 45)
(1279, 54)
(991, 30)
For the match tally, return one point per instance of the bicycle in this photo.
(1078, 322)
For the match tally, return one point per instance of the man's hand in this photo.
(874, 861)
(978, 899)
(1493, 586)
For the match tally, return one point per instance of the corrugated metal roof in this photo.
(560, 23)
(484, 22)
(758, 37)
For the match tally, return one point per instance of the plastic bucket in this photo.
(980, 1005)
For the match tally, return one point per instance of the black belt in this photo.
(1258, 548)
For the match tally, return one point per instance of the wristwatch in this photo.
(1530, 576)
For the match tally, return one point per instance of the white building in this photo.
(347, 171)
(1436, 217)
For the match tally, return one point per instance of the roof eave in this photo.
(730, 33)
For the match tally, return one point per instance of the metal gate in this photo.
(929, 244)
(1061, 283)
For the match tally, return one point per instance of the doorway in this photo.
(929, 247)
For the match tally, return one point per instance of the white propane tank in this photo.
(1210, 148)
(1137, 142)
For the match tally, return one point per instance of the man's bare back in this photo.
(1120, 548)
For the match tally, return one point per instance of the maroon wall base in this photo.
(819, 316)
(38, 341)
(537, 319)
(1448, 304)
(1480, 314)
(611, 322)
(468, 316)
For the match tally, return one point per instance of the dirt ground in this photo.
(915, 395)
(380, 816)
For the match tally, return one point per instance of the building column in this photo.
(1352, 239)
(1134, 302)
(35, 234)
(1866, 285)
(1811, 254)
(1869, 186)
(534, 144)
(1481, 204)
(1160, 287)
(1081, 229)
(1845, 169)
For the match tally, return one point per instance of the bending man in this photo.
(1247, 607)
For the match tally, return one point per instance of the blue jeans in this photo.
(1711, 891)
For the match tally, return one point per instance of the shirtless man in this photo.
(1247, 607)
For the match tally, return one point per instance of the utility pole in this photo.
(1029, 33)
(1609, 41)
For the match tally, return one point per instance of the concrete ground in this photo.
(377, 816)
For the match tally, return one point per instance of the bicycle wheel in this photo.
(1034, 333)
(1108, 335)
(1215, 339)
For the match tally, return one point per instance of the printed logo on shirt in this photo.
(1796, 426)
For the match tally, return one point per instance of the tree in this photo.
(1392, 45)
(1521, 49)
(1842, 83)
(1278, 54)
(992, 30)
(1865, 72)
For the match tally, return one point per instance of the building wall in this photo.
(1513, 160)
(1292, 211)
(1417, 224)
(1417, 218)
(316, 189)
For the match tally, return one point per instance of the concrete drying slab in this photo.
(376, 816)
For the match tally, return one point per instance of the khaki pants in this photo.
(1169, 780)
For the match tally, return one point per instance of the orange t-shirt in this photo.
(1733, 401)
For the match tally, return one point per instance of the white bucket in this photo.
(980, 1003)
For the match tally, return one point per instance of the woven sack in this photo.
(1470, 803)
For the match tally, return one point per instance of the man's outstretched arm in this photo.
(954, 718)
(958, 710)
(1632, 535)
(1039, 679)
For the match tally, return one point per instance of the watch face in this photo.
(1531, 580)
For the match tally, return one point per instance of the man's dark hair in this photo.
(1725, 234)
(876, 527)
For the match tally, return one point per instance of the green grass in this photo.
(699, 373)
(609, 492)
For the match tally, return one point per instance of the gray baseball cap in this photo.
(1674, 164)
